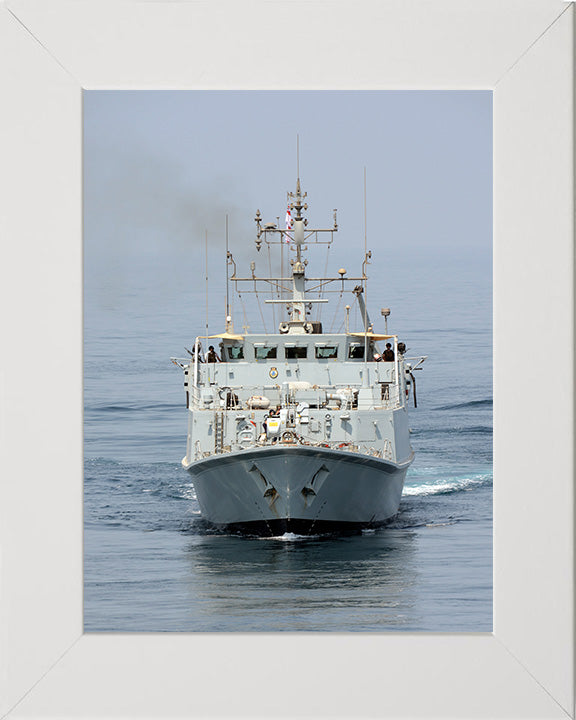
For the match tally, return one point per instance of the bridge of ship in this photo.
(319, 370)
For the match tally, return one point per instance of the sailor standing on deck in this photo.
(388, 354)
(211, 356)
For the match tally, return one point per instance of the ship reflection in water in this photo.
(295, 583)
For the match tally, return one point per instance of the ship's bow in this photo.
(296, 489)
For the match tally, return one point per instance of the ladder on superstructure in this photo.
(218, 432)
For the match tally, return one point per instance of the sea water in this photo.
(153, 564)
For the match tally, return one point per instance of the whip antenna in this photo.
(297, 155)
(228, 318)
(365, 378)
(365, 214)
(206, 249)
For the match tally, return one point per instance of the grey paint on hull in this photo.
(316, 485)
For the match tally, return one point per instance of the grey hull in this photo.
(298, 489)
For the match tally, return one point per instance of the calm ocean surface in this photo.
(151, 564)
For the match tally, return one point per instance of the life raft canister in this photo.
(258, 402)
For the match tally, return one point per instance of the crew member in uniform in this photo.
(211, 356)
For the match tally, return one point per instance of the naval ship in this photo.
(298, 431)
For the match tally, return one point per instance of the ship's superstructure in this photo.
(299, 431)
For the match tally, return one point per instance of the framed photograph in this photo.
(55, 52)
(316, 464)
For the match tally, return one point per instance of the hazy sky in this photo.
(162, 168)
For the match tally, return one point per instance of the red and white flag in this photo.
(288, 223)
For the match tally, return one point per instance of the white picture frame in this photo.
(50, 51)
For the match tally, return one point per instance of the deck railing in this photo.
(255, 397)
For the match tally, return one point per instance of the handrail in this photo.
(276, 397)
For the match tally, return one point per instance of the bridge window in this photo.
(265, 352)
(326, 352)
(356, 352)
(295, 352)
(235, 352)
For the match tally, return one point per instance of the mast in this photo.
(298, 267)
(298, 234)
